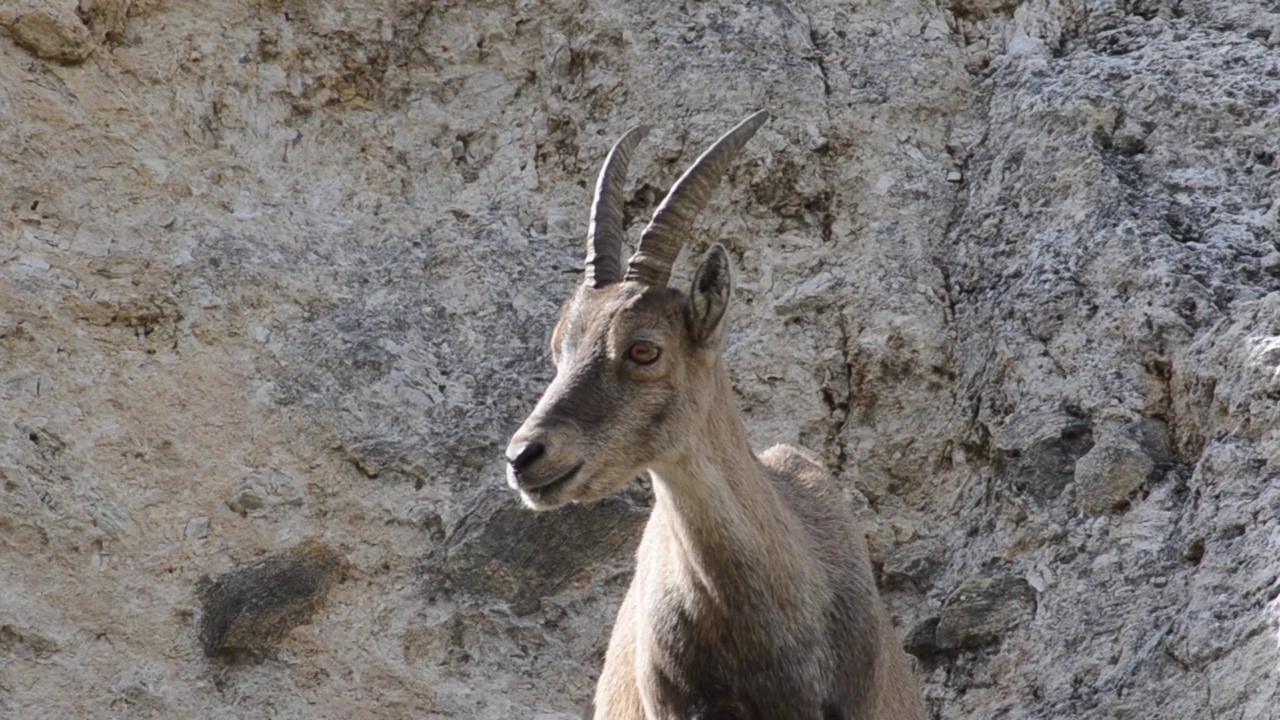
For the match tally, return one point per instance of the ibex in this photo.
(753, 596)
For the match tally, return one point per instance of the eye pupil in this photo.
(643, 353)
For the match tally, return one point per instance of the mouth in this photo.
(544, 494)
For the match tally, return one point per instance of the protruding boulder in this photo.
(913, 563)
(922, 638)
(982, 610)
(1037, 450)
(51, 30)
(1123, 459)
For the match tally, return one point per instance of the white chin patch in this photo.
(568, 494)
(536, 502)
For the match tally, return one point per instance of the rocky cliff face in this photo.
(276, 280)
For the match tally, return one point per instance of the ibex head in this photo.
(636, 361)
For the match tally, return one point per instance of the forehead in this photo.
(622, 306)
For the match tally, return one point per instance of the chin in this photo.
(534, 501)
(558, 496)
(592, 492)
(581, 491)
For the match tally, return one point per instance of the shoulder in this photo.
(813, 493)
(796, 464)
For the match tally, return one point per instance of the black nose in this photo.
(527, 455)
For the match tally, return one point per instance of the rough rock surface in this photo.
(49, 28)
(275, 272)
(982, 610)
(250, 609)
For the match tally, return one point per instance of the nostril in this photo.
(528, 455)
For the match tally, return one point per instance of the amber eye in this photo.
(643, 353)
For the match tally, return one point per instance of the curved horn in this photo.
(604, 234)
(662, 239)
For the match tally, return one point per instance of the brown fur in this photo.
(753, 597)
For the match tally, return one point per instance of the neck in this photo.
(722, 516)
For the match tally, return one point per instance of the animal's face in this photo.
(634, 365)
(635, 359)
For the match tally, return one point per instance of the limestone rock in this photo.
(982, 610)
(914, 563)
(922, 639)
(49, 29)
(502, 550)
(252, 607)
(1037, 450)
(284, 270)
(1109, 474)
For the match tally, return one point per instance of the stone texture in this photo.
(276, 271)
(914, 563)
(1109, 474)
(501, 550)
(1129, 454)
(982, 610)
(49, 28)
(1038, 450)
(252, 608)
(922, 639)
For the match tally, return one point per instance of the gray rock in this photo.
(1109, 474)
(922, 639)
(982, 610)
(914, 563)
(251, 608)
(309, 265)
(197, 528)
(502, 550)
(1037, 450)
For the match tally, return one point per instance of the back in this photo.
(836, 538)
(811, 491)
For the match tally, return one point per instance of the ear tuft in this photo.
(709, 296)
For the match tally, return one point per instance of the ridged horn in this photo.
(604, 234)
(661, 241)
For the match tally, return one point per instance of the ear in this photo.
(709, 297)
